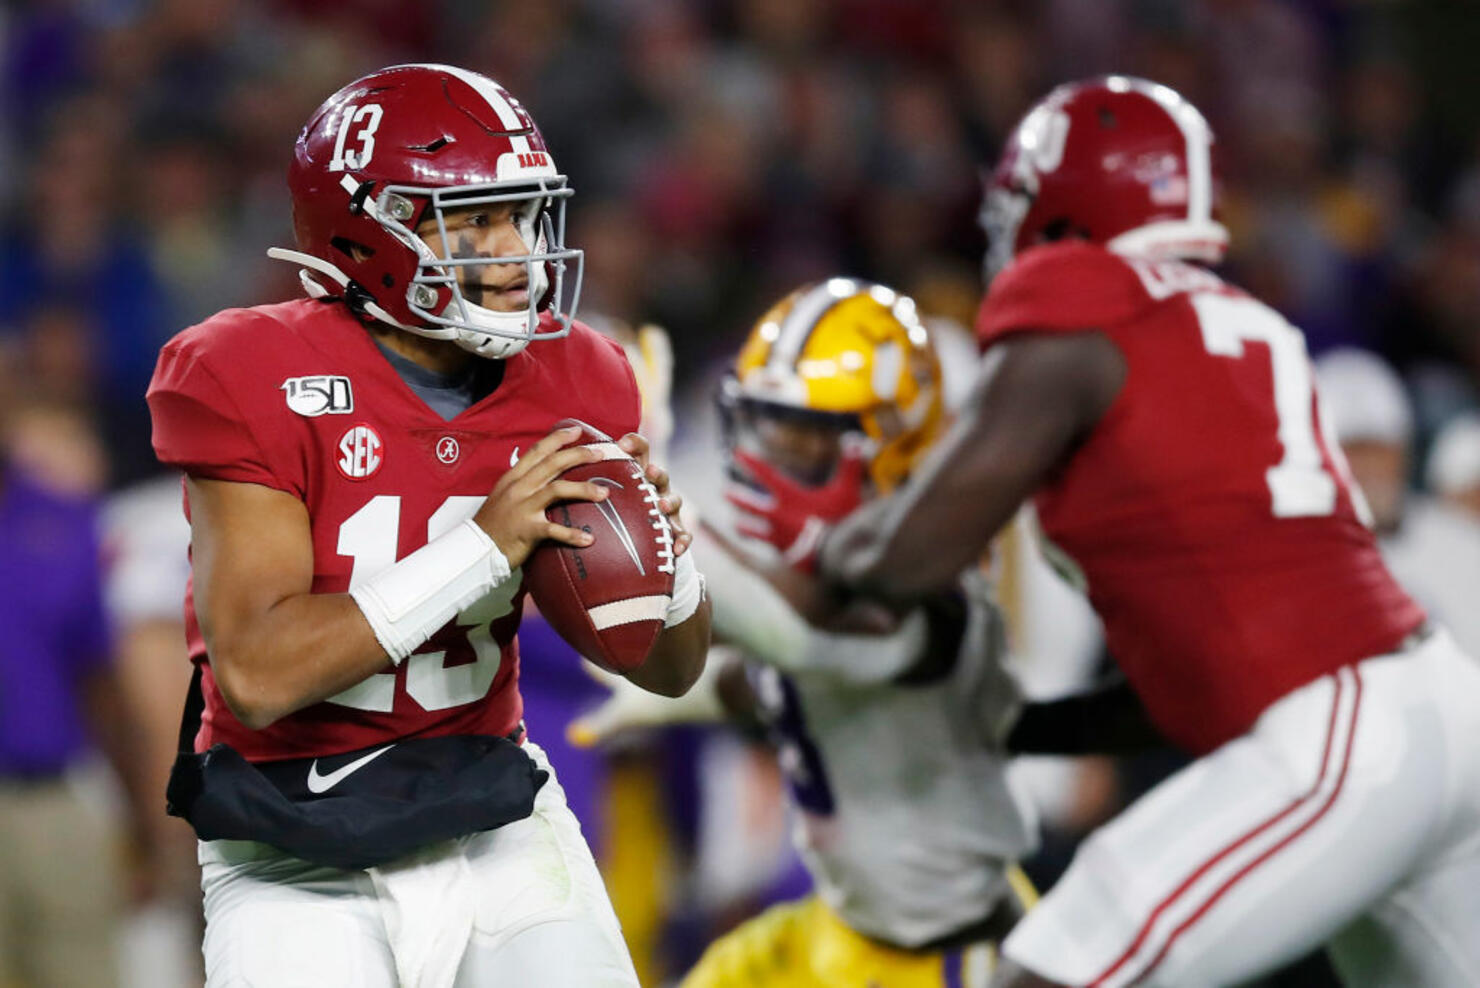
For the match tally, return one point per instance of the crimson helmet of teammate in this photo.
(403, 146)
(1117, 161)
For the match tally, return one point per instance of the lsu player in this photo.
(1168, 429)
(889, 739)
(366, 469)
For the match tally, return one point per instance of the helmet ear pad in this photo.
(546, 300)
(542, 223)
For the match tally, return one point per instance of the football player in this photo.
(366, 470)
(890, 734)
(890, 742)
(1166, 424)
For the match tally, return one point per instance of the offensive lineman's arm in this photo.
(1028, 412)
(275, 646)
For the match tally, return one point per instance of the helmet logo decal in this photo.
(1041, 141)
(319, 394)
(360, 452)
(619, 527)
(369, 116)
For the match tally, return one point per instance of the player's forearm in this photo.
(677, 657)
(1035, 400)
(917, 543)
(300, 651)
(887, 552)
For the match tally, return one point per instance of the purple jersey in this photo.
(52, 613)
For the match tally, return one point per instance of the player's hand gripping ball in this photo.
(607, 599)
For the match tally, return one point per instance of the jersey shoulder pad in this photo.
(242, 344)
(213, 396)
(1067, 286)
(595, 377)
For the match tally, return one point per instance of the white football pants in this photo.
(1348, 815)
(520, 905)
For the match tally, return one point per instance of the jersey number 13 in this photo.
(369, 537)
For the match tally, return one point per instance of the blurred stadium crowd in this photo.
(722, 151)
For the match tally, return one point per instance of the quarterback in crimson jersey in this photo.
(366, 470)
(379, 473)
(1168, 430)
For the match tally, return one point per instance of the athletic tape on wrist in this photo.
(408, 602)
(688, 590)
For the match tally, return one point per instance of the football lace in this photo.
(662, 528)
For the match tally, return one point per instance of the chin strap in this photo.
(490, 347)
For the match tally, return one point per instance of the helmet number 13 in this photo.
(367, 118)
(1305, 481)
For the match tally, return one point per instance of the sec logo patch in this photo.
(360, 452)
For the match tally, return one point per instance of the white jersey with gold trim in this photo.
(905, 817)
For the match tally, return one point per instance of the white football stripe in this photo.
(797, 325)
(628, 611)
(608, 451)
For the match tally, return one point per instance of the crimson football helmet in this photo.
(1116, 160)
(405, 145)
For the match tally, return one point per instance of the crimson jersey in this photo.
(1209, 511)
(297, 397)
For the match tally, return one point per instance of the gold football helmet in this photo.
(833, 360)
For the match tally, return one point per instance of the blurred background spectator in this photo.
(1454, 465)
(68, 860)
(724, 151)
(1431, 542)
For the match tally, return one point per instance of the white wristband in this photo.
(406, 603)
(688, 590)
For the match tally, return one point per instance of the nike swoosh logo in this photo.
(615, 521)
(323, 783)
(514, 456)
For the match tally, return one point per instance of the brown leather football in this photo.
(609, 598)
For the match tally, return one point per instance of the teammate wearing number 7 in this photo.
(366, 471)
(1167, 429)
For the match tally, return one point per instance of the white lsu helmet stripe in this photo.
(797, 325)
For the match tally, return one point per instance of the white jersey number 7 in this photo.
(1302, 484)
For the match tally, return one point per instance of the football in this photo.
(607, 599)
